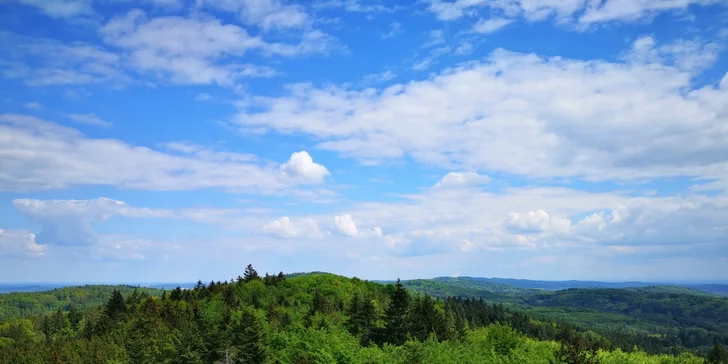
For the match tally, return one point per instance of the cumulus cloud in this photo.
(285, 227)
(19, 243)
(536, 222)
(37, 154)
(551, 117)
(301, 167)
(346, 225)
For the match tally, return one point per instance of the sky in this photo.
(177, 140)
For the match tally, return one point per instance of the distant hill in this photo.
(719, 289)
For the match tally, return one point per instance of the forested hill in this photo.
(316, 318)
(718, 289)
(22, 304)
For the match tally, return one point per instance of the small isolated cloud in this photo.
(462, 179)
(302, 167)
(89, 119)
(431, 58)
(33, 106)
(394, 30)
(19, 243)
(435, 37)
(286, 228)
(464, 49)
(487, 26)
(203, 96)
(379, 77)
(346, 225)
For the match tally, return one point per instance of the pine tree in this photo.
(250, 340)
(281, 277)
(367, 318)
(396, 315)
(719, 354)
(75, 316)
(116, 306)
(250, 274)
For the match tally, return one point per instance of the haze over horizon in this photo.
(177, 140)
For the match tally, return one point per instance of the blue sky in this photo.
(176, 140)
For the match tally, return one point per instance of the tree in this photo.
(576, 350)
(249, 339)
(75, 316)
(396, 315)
(719, 354)
(250, 274)
(116, 306)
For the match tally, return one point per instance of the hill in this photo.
(315, 318)
(718, 289)
(23, 304)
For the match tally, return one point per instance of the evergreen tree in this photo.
(281, 277)
(719, 354)
(250, 274)
(396, 315)
(249, 340)
(116, 306)
(74, 317)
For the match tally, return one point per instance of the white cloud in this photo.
(611, 10)
(19, 243)
(69, 222)
(394, 30)
(46, 62)
(379, 77)
(435, 37)
(464, 49)
(302, 167)
(33, 105)
(286, 228)
(689, 55)
(492, 25)
(538, 221)
(61, 8)
(356, 6)
(199, 50)
(36, 154)
(572, 12)
(202, 96)
(346, 225)
(431, 58)
(266, 14)
(551, 117)
(89, 119)
(462, 179)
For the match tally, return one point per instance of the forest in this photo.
(316, 318)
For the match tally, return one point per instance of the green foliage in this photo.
(24, 304)
(311, 318)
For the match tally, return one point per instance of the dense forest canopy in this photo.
(324, 318)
